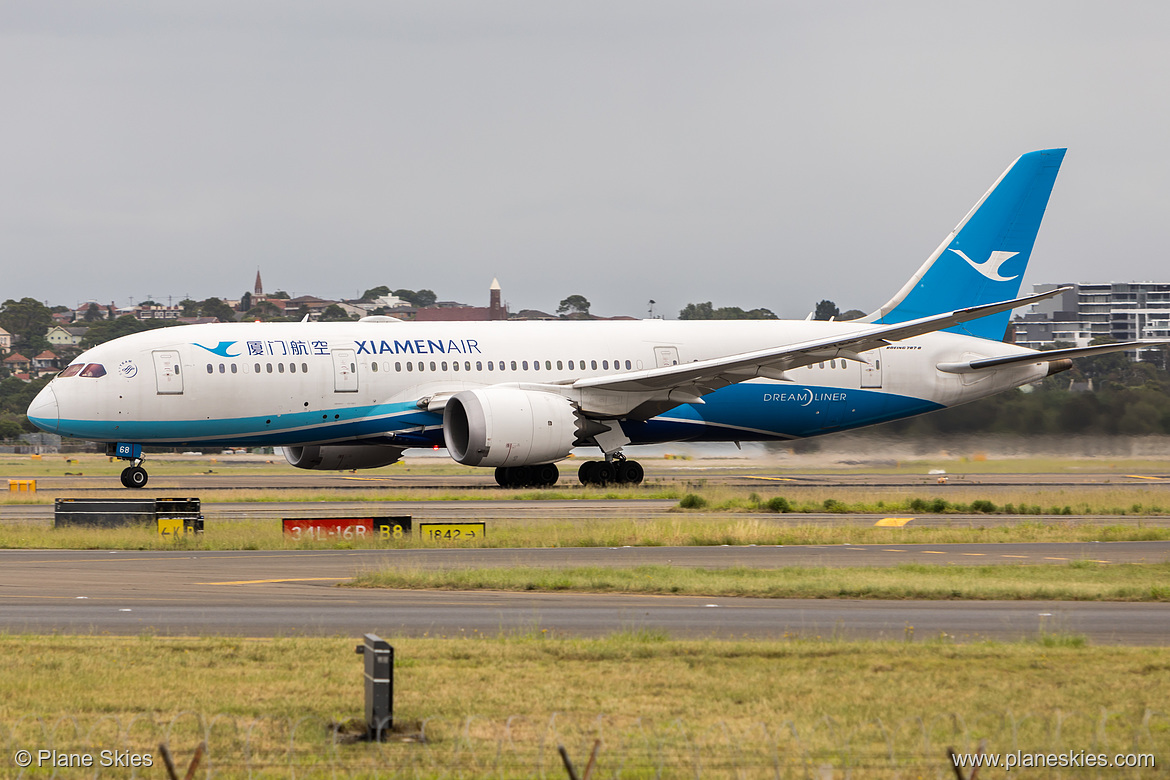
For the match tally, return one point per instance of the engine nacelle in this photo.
(339, 457)
(502, 426)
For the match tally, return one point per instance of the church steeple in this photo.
(259, 284)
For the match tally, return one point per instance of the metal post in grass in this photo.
(379, 667)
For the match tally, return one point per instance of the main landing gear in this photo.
(618, 471)
(544, 475)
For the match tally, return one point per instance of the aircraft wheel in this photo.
(603, 474)
(547, 475)
(134, 477)
(504, 477)
(586, 472)
(631, 472)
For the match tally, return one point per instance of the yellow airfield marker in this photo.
(892, 522)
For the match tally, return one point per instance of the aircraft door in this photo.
(871, 375)
(168, 372)
(345, 378)
(666, 356)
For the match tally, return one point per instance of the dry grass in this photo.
(829, 691)
(1076, 581)
(669, 530)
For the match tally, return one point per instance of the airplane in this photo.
(519, 396)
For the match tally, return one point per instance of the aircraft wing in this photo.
(687, 382)
(1046, 356)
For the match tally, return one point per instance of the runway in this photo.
(283, 593)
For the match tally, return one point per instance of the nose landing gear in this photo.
(133, 476)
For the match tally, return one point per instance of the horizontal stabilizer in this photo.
(703, 376)
(1048, 356)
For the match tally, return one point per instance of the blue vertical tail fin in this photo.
(984, 258)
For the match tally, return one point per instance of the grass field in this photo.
(498, 706)
(670, 530)
(1075, 581)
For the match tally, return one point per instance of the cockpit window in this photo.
(94, 370)
(73, 369)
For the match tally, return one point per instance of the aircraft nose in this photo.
(43, 411)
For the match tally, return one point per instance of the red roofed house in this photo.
(17, 363)
(45, 363)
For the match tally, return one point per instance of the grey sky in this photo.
(751, 154)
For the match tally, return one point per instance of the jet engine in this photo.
(508, 427)
(338, 457)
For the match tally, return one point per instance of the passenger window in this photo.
(479, 365)
(570, 364)
(373, 366)
(548, 365)
(234, 368)
(832, 364)
(292, 367)
(524, 364)
(72, 370)
(222, 368)
(94, 370)
(269, 367)
(444, 365)
(513, 365)
(257, 368)
(490, 366)
(822, 364)
(304, 368)
(455, 364)
(210, 369)
(605, 365)
(560, 367)
(433, 366)
(409, 366)
(280, 367)
(593, 363)
(398, 366)
(466, 365)
(628, 366)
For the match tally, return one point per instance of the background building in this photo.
(1105, 311)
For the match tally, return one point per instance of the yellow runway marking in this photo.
(774, 479)
(1047, 558)
(1013, 556)
(893, 551)
(934, 552)
(1139, 476)
(980, 554)
(264, 582)
(892, 522)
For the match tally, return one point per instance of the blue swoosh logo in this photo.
(220, 349)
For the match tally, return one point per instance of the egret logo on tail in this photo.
(990, 268)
